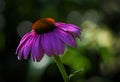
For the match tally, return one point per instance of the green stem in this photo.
(61, 68)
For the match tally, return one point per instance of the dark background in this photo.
(97, 56)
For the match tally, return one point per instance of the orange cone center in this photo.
(43, 25)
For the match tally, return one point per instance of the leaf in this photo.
(76, 73)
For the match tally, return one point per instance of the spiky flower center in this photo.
(43, 25)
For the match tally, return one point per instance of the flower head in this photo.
(47, 37)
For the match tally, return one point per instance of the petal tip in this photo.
(19, 58)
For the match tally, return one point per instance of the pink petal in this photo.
(37, 51)
(23, 41)
(57, 45)
(20, 53)
(71, 28)
(27, 47)
(46, 45)
(65, 37)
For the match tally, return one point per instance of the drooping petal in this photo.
(46, 45)
(23, 41)
(27, 47)
(71, 28)
(20, 50)
(65, 37)
(57, 44)
(41, 51)
(20, 53)
(37, 51)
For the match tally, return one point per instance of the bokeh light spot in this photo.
(24, 27)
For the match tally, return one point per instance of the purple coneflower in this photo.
(47, 37)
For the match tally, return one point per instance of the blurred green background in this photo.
(97, 57)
